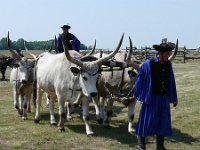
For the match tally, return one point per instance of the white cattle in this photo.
(65, 77)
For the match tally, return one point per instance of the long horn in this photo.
(101, 60)
(171, 58)
(8, 41)
(93, 49)
(55, 44)
(31, 54)
(130, 55)
(130, 52)
(51, 47)
(14, 54)
(71, 59)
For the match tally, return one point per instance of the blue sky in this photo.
(146, 21)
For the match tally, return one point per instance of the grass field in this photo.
(18, 134)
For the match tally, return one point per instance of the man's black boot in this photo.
(160, 143)
(141, 143)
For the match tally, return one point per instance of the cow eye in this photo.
(85, 78)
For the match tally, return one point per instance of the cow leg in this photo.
(3, 76)
(69, 110)
(51, 111)
(47, 99)
(16, 98)
(108, 113)
(62, 114)
(38, 104)
(25, 106)
(3, 73)
(21, 100)
(85, 107)
(102, 107)
(131, 108)
(96, 105)
(29, 105)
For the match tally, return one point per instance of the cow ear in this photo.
(132, 73)
(75, 70)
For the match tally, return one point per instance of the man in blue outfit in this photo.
(70, 40)
(156, 89)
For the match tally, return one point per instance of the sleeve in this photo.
(172, 86)
(143, 84)
(76, 43)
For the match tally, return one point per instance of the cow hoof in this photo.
(36, 121)
(20, 112)
(100, 121)
(53, 123)
(61, 129)
(90, 133)
(132, 132)
(69, 118)
(24, 118)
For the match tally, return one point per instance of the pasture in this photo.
(18, 134)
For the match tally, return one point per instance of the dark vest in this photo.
(66, 38)
(160, 77)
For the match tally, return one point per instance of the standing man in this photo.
(156, 89)
(72, 41)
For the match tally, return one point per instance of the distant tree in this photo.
(83, 47)
(3, 44)
(31, 45)
(90, 47)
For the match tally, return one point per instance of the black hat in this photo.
(66, 27)
(164, 46)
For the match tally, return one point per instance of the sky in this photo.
(145, 21)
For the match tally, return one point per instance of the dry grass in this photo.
(18, 134)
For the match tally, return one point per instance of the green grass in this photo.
(18, 134)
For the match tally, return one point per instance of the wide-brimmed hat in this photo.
(164, 46)
(66, 27)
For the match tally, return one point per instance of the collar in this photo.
(155, 58)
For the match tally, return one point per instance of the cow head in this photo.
(88, 76)
(87, 69)
(25, 70)
(23, 65)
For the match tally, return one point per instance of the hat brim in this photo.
(65, 27)
(162, 49)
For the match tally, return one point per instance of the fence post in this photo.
(184, 54)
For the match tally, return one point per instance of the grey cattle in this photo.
(21, 78)
(117, 85)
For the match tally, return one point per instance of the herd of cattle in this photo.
(74, 79)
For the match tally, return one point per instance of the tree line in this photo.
(32, 45)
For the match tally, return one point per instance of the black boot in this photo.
(160, 143)
(141, 143)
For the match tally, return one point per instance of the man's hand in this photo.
(70, 41)
(175, 103)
